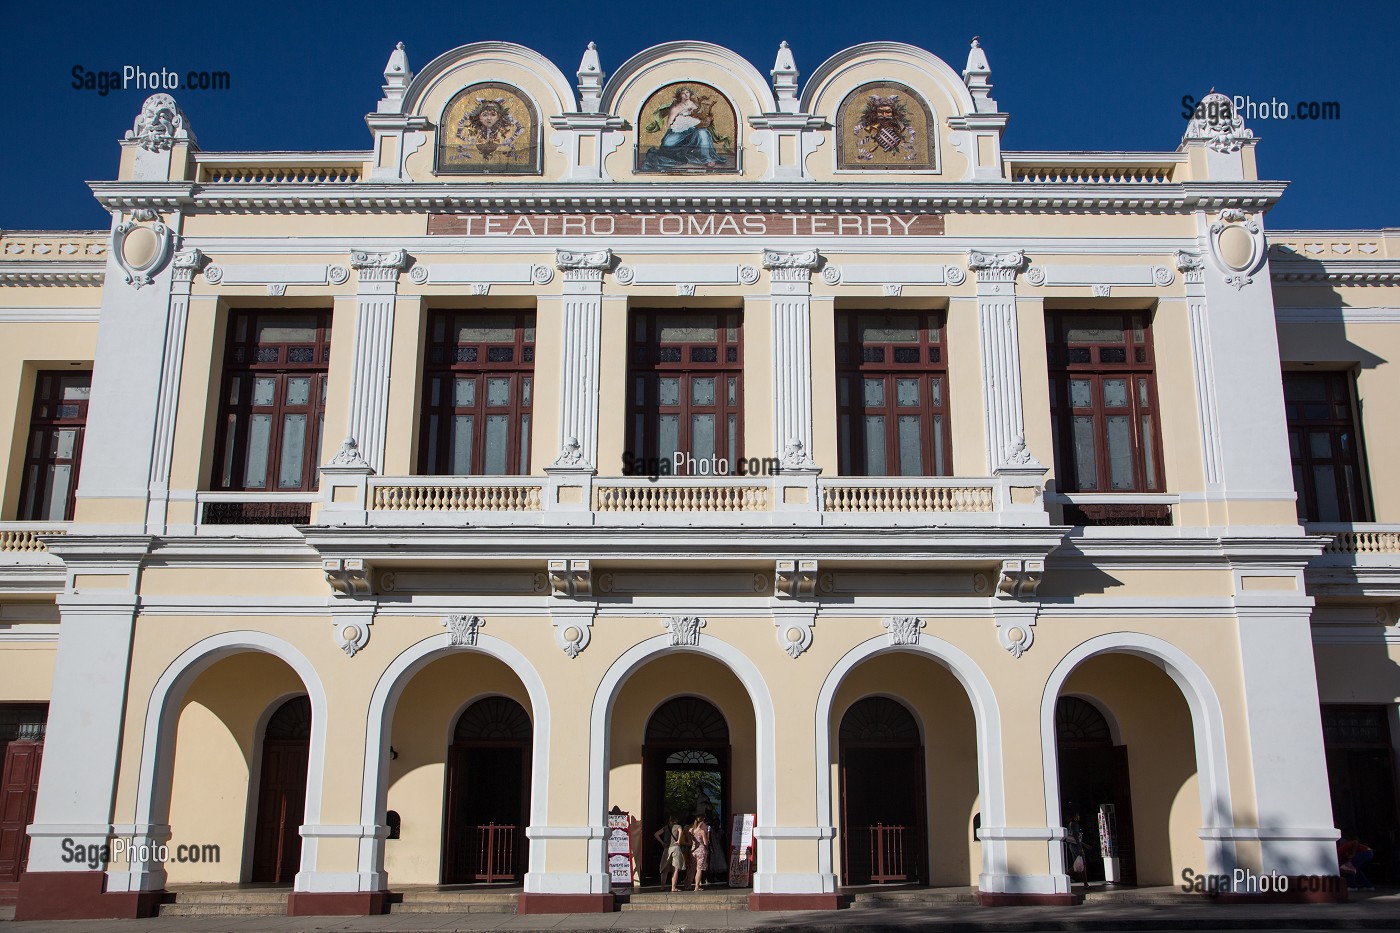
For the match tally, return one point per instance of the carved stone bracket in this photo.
(464, 629)
(904, 630)
(1019, 578)
(797, 578)
(570, 578)
(1015, 630)
(573, 629)
(348, 576)
(685, 630)
(794, 631)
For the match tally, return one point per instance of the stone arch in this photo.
(1207, 726)
(989, 758)
(156, 771)
(495, 54)
(835, 74)
(384, 700)
(599, 753)
(758, 95)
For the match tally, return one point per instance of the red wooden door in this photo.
(281, 809)
(19, 786)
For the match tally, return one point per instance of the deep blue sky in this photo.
(1091, 75)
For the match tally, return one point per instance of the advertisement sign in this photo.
(741, 851)
(620, 848)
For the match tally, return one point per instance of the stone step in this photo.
(224, 910)
(687, 901)
(9, 893)
(233, 896)
(914, 899)
(458, 897)
(448, 907)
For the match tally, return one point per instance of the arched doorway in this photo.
(883, 810)
(1094, 772)
(488, 794)
(282, 792)
(685, 767)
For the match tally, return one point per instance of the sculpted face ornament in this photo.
(885, 123)
(158, 124)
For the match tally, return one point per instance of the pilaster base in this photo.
(1007, 899)
(80, 895)
(566, 903)
(798, 902)
(337, 903)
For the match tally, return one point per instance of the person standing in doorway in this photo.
(672, 839)
(699, 850)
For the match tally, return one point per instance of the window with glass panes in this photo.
(687, 386)
(1103, 402)
(55, 448)
(1325, 445)
(892, 394)
(478, 395)
(273, 404)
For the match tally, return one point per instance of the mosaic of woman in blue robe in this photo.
(689, 141)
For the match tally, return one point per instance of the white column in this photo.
(1297, 834)
(186, 263)
(368, 421)
(1001, 351)
(791, 290)
(582, 346)
(83, 745)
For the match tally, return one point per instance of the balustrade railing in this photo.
(26, 537)
(455, 496)
(680, 496)
(1358, 537)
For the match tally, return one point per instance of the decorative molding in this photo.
(1036, 275)
(418, 275)
(685, 290)
(791, 266)
(892, 290)
(144, 233)
(570, 578)
(996, 267)
(347, 576)
(684, 630)
(794, 631)
(1015, 630)
(1018, 455)
(213, 273)
(338, 275)
(570, 456)
(186, 263)
(276, 289)
(464, 629)
(573, 630)
(1161, 275)
(1217, 124)
(748, 275)
(583, 267)
(831, 275)
(721, 583)
(1101, 291)
(796, 459)
(904, 630)
(1019, 578)
(379, 267)
(796, 578)
(159, 124)
(954, 275)
(1191, 265)
(626, 275)
(348, 456)
(351, 635)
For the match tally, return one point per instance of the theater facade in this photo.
(689, 438)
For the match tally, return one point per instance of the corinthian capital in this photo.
(788, 266)
(583, 267)
(379, 267)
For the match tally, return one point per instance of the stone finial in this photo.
(785, 79)
(1217, 123)
(397, 76)
(590, 81)
(978, 78)
(160, 124)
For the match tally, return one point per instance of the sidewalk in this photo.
(1373, 912)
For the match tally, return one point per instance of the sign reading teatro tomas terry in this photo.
(683, 225)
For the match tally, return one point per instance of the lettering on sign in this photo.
(685, 225)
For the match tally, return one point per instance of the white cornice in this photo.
(53, 272)
(638, 197)
(1337, 315)
(1335, 271)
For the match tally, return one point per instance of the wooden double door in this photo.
(281, 809)
(884, 815)
(487, 801)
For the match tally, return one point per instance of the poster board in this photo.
(741, 851)
(620, 848)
